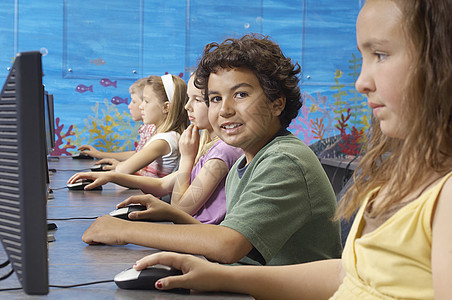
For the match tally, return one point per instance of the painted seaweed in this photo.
(108, 129)
(59, 148)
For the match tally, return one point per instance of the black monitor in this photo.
(49, 122)
(23, 172)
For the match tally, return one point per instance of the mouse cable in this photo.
(59, 188)
(72, 218)
(72, 170)
(345, 178)
(7, 275)
(63, 286)
(335, 171)
(4, 264)
(80, 284)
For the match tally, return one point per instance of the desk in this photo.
(71, 261)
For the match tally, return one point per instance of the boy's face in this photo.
(134, 107)
(386, 63)
(239, 111)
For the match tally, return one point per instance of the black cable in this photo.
(59, 188)
(345, 179)
(80, 284)
(63, 286)
(4, 264)
(67, 170)
(72, 218)
(11, 289)
(335, 172)
(7, 275)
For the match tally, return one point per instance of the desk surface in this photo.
(71, 261)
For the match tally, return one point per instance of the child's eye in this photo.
(241, 95)
(380, 56)
(199, 99)
(215, 99)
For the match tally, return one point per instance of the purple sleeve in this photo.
(221, 150)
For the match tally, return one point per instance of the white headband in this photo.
(168, 85)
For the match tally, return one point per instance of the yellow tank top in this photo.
(393, 261)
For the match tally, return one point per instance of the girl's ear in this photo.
(278, 106)
(166, 107)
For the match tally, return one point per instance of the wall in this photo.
(93, 50)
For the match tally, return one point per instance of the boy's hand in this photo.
(105, 230)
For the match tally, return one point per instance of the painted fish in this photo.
(98, 61)
(118, 100)
(181, 74)
(107, 82)
(81, 88)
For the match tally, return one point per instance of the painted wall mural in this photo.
(94, 50)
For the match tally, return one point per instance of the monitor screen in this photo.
(23, 165)
(49, 122)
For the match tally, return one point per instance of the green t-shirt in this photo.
(283, 204)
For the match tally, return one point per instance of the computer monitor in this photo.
(23, 164)
(49, 122)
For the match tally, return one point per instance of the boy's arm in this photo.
(144, 157)
(215, 242)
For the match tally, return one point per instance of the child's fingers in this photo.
(187, 132)
(163, 258)
(92, 185)
(139, 215)
(172, 282)
(132, 200)
(72, 179)
(76, 177)
(108, 167)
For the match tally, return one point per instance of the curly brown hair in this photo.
(276, 73)
(403, 163)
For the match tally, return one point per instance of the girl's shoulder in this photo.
(221, 146)
(446, 191)
(223, 151)
(168, 134)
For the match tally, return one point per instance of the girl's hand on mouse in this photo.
(198, 273)
(91, 151)
(189, 142)
(98, 179)
(157, 209)
(112, 163)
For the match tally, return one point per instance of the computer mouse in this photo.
(80, 155)
(123, 212)
(79, 185)
(146, 278)
(99, 167)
